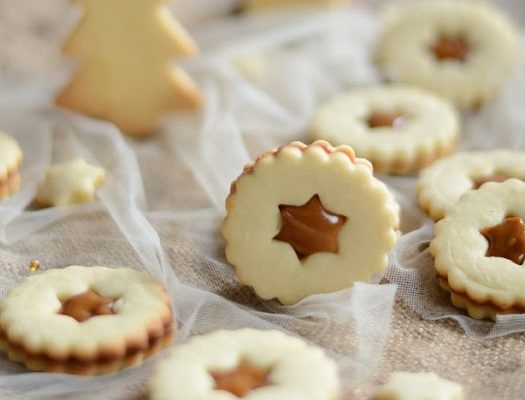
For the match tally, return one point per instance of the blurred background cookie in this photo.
(463, 50)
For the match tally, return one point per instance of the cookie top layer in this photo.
(441, 185)
(461, 247)
(293, 369)
(71, 182)
(10, 155)
(389, 124)
(463, 50)
(32, 316)
(419, 386)
(273, 213)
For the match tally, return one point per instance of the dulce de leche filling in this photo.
(489, 178)
(86, 305)
(386, 119)
(242, 379)
(450, 48)
(507, 240)
(310, 228)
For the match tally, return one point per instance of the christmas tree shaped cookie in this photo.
(126, 74)
(257, 5)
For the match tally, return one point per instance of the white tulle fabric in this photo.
(164, 197)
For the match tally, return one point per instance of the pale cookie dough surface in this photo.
(264, 5)
(71, 182)
(459, 250)
(291, 175)
(404, 50)
(10, 155)
(429, 129)
(127, 73)
(441, 185)
(298, 371)
(29, 316)
(419, 386)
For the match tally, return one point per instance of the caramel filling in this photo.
(86, 305)
(450, 48)
(489, 178)
(310, 228)
(382, 119)
(507, 240)
(242, 379)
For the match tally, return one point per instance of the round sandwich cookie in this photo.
(463, 50)
(479, 250)
(85, 320)
(310, 219)
(441, 185)
(248, 364)
(400, 129)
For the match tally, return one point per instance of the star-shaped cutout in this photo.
(85, 305)
(310, 228)
(242, 379)
(507, 240)
(71, 182)
(450, 48)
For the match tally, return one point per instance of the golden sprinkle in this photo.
(34, 266)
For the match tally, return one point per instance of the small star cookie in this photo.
(10, 159)
(419, 386)
(71, 182)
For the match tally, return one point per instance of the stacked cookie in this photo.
(10, 159)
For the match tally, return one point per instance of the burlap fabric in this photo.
(182, 204)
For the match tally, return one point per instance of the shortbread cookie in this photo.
(265, 5)
(71, 182)
(247, 363)
(10, 159)
(308, 219)
(441, 185)
(479, 249)
(463, 50)
(399, 129)
(127, 73)
(419, 386)
(85, 320)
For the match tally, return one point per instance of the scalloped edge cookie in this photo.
(430, 127)
(34, 332)
(291, 175)
(296, 369)
(440, 186)
(484, 286)
(410, 30)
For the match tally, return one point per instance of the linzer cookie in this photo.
(419, 386)
(70, 182)
(479, 249)
(463, 50)
(247, 363)
(85, 320)
(10, 159)
(441, 185)
(310, 219)
(398, 128)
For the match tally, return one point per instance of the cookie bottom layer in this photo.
(10, 184)
(474, 308)
(97, 366)
(407, 166)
